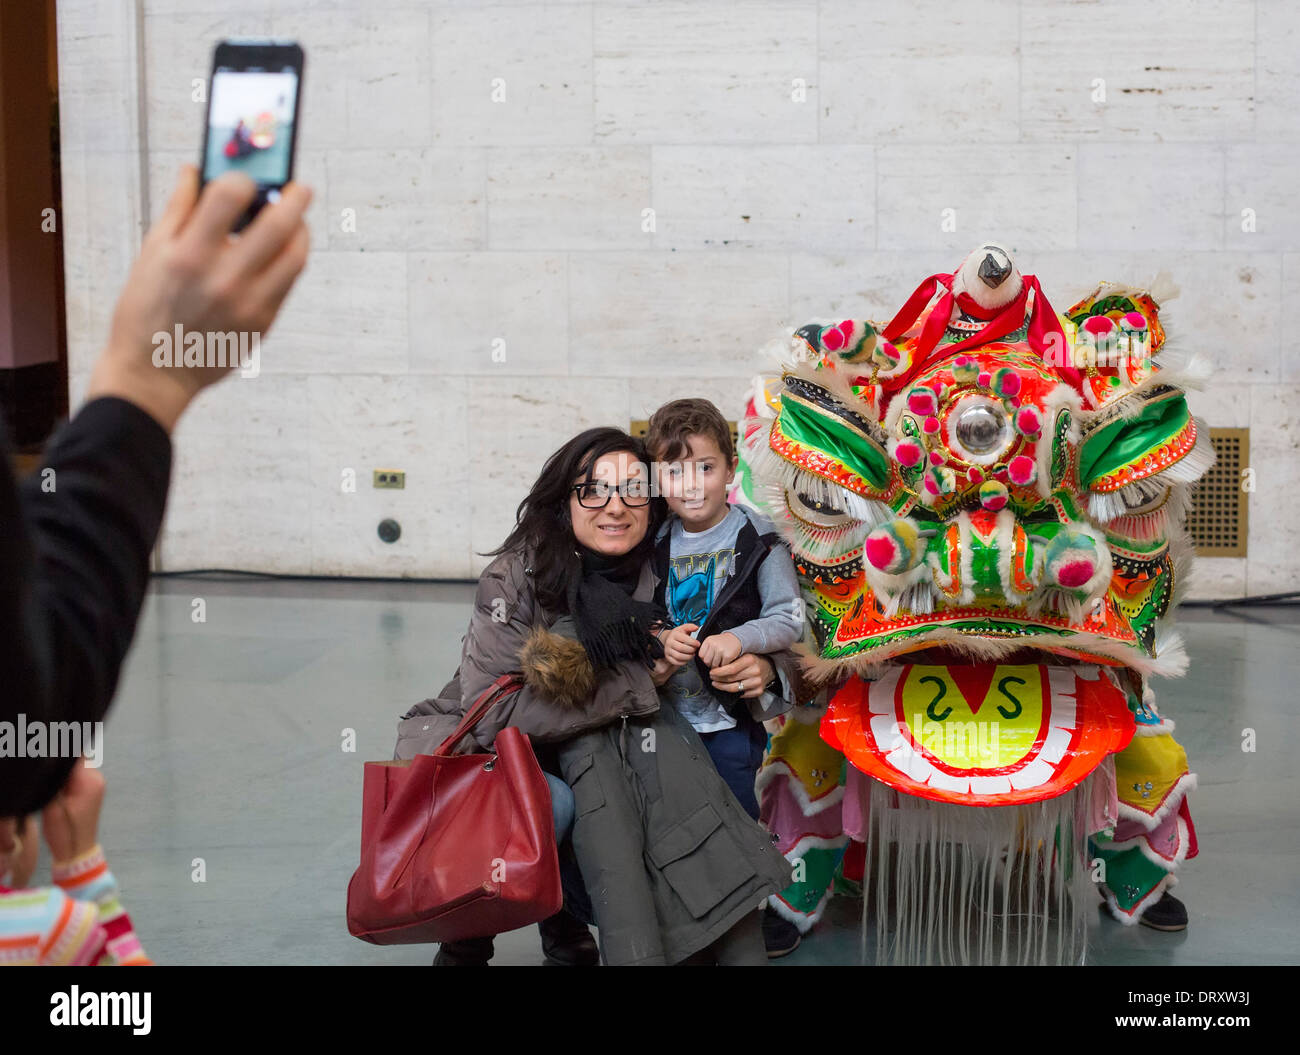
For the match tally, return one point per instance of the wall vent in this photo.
(1217, 521)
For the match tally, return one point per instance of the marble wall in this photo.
(660, 189)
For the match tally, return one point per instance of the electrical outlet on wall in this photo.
(395, 478)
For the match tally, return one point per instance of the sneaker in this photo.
(780, 936)
(566, 942)
(1166, 914)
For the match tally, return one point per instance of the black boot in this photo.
(468, 952)
(1166, 914)
(566, 942)
(780, 936)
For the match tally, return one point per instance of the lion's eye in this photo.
(981, 429)
(816, 511)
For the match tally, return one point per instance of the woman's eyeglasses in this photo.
(596, 494)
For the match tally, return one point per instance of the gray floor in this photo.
(225, 745)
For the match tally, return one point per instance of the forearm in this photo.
(129, 375)
(768, 634)
(84, 525)
(625, 690)
(780, 623)
(795, 686)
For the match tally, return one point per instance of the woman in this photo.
(673, 864)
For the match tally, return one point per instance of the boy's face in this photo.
(695, 486)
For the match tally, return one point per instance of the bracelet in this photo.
(78, 868)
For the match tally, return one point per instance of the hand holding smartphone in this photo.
(252, 126)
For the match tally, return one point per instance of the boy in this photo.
(729, 588)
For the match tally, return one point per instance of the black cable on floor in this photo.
(1260, 600)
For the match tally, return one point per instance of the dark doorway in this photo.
(33, 337)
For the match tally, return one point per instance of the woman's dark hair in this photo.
(542, 520)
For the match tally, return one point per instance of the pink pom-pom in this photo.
(833, 339)
(983, 379)
(936, 458)
(1136, 320)
(882, 551)
(930, 487)
(1098, 324)
(931, 425)
(1021, 470)
(1076, 573)
(908, 452)
(1029, 422)
(922, 401)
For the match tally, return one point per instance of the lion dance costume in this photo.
(984, 501)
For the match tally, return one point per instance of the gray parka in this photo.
(668, 855)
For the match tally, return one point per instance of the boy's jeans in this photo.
(737, 753)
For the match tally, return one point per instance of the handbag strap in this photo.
(504, 686)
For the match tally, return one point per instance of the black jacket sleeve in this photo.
(74, 565)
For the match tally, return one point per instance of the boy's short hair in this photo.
(672, 424)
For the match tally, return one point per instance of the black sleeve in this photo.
(74, 565)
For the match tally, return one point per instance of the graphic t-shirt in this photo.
(699, 565)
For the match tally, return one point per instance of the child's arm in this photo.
(87, 880)
(780, 623)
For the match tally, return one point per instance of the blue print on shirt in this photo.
(690, 599)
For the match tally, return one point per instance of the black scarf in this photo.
(610, 624)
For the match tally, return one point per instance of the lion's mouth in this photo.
(1024, 727)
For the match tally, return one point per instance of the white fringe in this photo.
(1138, 524)
(956, 884)
(1187, 470)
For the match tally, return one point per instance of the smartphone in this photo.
(252, 124)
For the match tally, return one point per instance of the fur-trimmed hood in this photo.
(555, 664)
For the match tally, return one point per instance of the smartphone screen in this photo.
(253, 116)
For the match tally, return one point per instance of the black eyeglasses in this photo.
(595, 494)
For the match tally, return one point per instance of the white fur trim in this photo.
(809, 807)
(1144, 847)
(1156, 894)
(1151, 821)
(1061, 397)
(872, 663)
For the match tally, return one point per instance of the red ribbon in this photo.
(1043, 323)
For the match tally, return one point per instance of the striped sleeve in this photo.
(47, 927)
(88, 880)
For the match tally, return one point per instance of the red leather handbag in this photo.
(456, 846)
